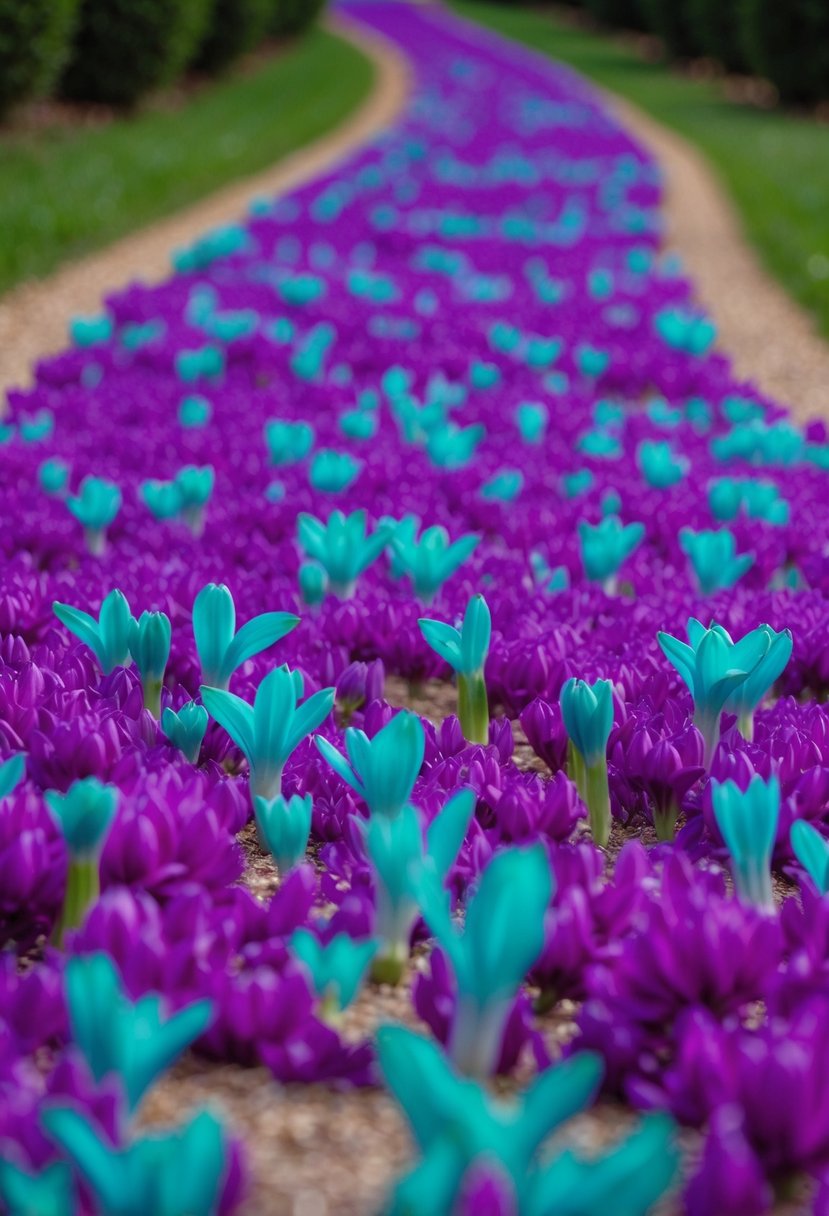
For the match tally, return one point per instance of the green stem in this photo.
(473, 707)
(745, 725)
(152, 697)
(83, 886)
(664, 821)
(709, 728)
(389, 967)
(96, 540)
(576, 770)
(598, 801)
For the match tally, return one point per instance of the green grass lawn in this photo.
(65, 191)
(775, 164)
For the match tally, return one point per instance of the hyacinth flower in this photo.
(12, 772)
(175, 1173)
(135, 1041)
(483, 1154)
(186, 729)
(812, 851)
(747, 820)
(714, 558)
(221, 649)
(343, 547)
(51, 1192)
(605, 546)
(195, 487)
(432, 559)
(382, 770)
(400, 864)
(150, 638)
(271, 729)
(95, 506)
(489, 958)
(747, 696)
(466, 651)
(337, 968)
(658, 464)
(288, 442)
(330, 471)
(283, 826)
(587, 711)
(53, 476)
(713, 668)
(109, 637)
(84, 815)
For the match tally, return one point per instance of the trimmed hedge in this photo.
(670, 21)
(35, 37)
(787, 41)
(626, 14)
(291, 16)
(716, 25)
(237, 26)
(124, 48)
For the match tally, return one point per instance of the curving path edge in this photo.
(35, 315)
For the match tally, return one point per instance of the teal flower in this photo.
(133, 1041)
(150, 638)
(532, 418)
(337, 969)
(221, 649)
(605, 546)
(167, 1173)
(271, 729)
(91, 331)
(194, 412)
(748, 822)
(489, 958)
(432, 559)
(400, 863)
(332, 471)
(812, 851)
(205, 363)
(186, 729)
(382, 770)
(453, 447)
(592, 362)
(313, 584)
(713, 556)
(284, 826)
(51, 1192)
(503, 487)
(162, 498)
(658, 464)
(37, 427)
(744, 700)
(109, 637)
(195, 487)
(288, 442)
(578, 483)
(53, 476)
(84, 815)
(587, 712)
(343, 546)
(12, 772)
(685, 331)
(466, 652)
(95, 507)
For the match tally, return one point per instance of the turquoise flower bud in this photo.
(605, 546)
(186, 729)
(132, 1041)
(382, 770)
(195, 487)
(288, 442)
(812, 851)
(550, 579)
(12, 772)
(271, 729)
(484, 375)
(194, 412)
(343, 547)
(359, 424)
(284, 827)
(747, 696)
(503, 487)
(725, 498)
(332, 471)
(313, 584)
(51, 1192)
(575, 484)
(84, 815)
(37, 427)
(532, 418)
(136, 337)
(658, 465)
(466, 652)
(592, 362)
(220, 648)
(452, 447)
(489, 958)
(748, 822)
(713, 556)
(206, 363)
(150, 638)
(166, 1173)
(337, 969)
(432, 559)
(95, 507)
(600, 445)
(162, 498)
(587, 712)
(109, 637)
(91, 331)
(53, 476)
(308, 361)
(685, 331)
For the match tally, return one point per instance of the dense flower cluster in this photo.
(458, 365)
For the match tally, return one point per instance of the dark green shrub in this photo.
(626, 14)
(35, 36)
(670, 21)
(237, 26)
(291, 16)
(716, 25)
(787, 41)
(124, 48)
